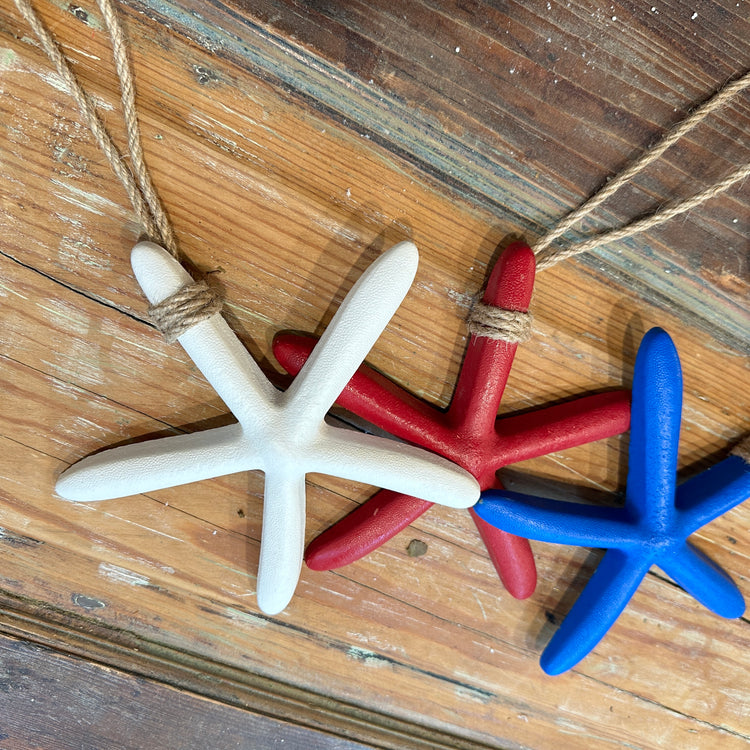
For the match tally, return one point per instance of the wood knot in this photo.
(416, 548)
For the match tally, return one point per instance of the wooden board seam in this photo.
(68, 633)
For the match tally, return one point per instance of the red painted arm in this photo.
(555, 428)
(487, 362)
(512, 557)
(367, 527)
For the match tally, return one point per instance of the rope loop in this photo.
(194, 302)
(185, 308)
(547, 255)
(487, 321)
(495, 323)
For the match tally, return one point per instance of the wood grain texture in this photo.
(54, 700)
(265, 128)
(526, 110)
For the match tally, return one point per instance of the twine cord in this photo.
(182, 310)
(107, 145)
(194, 302)
(647, 222)
(484, 320)
(548, 256)
(138, 162)
(498, 324)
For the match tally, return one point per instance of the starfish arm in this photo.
(211, 344)
(511, 556)
(613, 584)
(394, 466)
(156, 464)
(373, 397)
(282, 539)
(350, 335)
(562, 426)
(703, 579)
(365, 529)
(556, 521)
(712, 493)
(486, 366)
(654, 429)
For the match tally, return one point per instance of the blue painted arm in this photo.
(614, 582)
(555, 520)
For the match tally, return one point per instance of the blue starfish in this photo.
(653, 526)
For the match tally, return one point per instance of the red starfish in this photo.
(469, 432)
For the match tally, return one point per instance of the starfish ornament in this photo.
(652, 528)
(469, 432)
(281, 434)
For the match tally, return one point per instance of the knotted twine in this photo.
(515, 327)
(196, 302)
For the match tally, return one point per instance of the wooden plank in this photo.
(49, 699)
(267, 187)
(527, 110)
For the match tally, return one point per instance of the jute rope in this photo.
(185, 308)
(495, 323)
(547, 255)
(194, 302)
(127, 88)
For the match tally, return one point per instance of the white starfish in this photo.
(280, 433)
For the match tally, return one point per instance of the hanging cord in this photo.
(127, 89)
(194, 302)
(484, 320)
(175, 315)
(547, 256)
(134, 185)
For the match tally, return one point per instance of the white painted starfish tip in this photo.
(63, 488)
(271, 602)
(157, 272)
(73, 486)
(468, 496)
(407, 247)
(406, 255)
(146, 254)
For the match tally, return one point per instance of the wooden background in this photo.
(293, 142)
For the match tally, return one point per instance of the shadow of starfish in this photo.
(469, 432)
(652, 528)
(282, 434)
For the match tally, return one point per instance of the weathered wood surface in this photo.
(527, 108)
(51, 700)
(274, 184)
